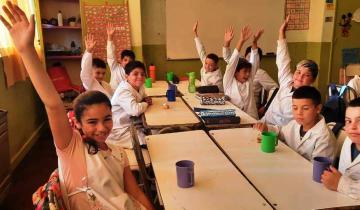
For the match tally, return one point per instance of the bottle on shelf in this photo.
(60, 18)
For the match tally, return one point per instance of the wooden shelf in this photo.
(63, 57)
(47, 26)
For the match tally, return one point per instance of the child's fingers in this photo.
(9, 15)
(21, 13)
(13, 11)
(6, 24)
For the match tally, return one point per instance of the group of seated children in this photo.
(96, 174)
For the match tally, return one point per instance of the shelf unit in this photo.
(54, 37)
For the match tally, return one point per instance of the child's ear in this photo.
(78, 124)
(318, 108)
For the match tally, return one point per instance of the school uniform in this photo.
(93, 181)
(262, 80)
(349, 183)
(241, 94)
(89, 82)
(280, 110)
(355, 84)
(126, 102)
(318, 141)
(208, 78)
(117, 71)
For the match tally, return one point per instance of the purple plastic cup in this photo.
(320, 164)
(185, 173)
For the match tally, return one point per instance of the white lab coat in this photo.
(355, 83)
(126, 102)
(262, 80)
(349, 183)
(318, 141)
(117, 71)
(280, 110)
(208, 78)
(88, 80)
(241, 94)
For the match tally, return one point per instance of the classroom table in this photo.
(283, 177)
(158, 88)
(245, 119)
(183, 87)
(178, 115)
(218, 185)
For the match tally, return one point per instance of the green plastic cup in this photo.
(269, 141)
(170, 76)
(148, 83)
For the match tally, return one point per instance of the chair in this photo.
(345, 74)
(143, 167)
(349, 94)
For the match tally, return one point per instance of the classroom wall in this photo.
(26, 116)
(313, 44)
(353, 41)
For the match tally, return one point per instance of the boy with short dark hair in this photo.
(347, 178)
(116, 69)
(93, 70)
(210, 72)
(307, 133)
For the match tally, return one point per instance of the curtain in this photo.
(13, 67)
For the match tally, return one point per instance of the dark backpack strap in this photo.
(271, 98)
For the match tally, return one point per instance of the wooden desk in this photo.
(246, 120)
(218, 185)
(156, 117)
(158, 89)
(283, 177)
(183, 87)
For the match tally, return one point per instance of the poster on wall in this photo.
(299, 11)
(97, 16)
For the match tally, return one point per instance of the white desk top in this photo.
(158, 89)
(283, 177)
(218, 184)
(245, 119)
(177, 115)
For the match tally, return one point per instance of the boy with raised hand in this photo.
(117, 69)
(307, 133)
(210, 72)
(347, 178)
(279, 111)
(93, 70)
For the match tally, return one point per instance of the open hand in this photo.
(257, 35)
(228, 36)
(110, 30)
(21, 30)
(90, 43)
(245, 33)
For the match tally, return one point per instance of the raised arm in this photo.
(22, 32)
(86, 74)
(199, 46)
(254, 57)
(282, 56)
(228, 36)
(110, 48)
(231, 66)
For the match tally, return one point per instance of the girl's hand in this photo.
(90, 43)
(260, 126)
(21, 30)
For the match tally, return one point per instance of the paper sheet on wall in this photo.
(97, 16)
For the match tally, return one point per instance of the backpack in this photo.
(334, 109)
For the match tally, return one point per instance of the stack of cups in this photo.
(152, 72)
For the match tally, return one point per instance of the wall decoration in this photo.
(98, 15)
(299, 11)
(345, 24)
